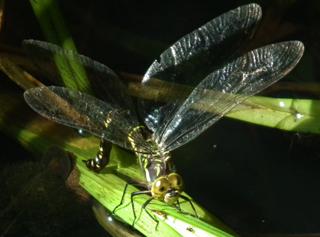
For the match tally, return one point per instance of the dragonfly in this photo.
(197, 81)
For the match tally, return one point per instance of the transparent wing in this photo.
(225, 88)
(190, 60)
(72, 70)
(75, 109)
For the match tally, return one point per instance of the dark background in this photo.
(257, 180)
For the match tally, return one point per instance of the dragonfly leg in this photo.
(144, 208)
(134, 183)
(124, 193)
(178, 205)
(144, 205)
(188, 199)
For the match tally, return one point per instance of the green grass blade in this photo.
(285, 114)
(54, 28)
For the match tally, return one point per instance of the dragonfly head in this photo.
(168, 188)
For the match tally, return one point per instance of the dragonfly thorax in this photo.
(155, 164)
(154, 161)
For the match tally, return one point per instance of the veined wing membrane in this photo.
(75, 109)
(225, 88)
(192, 58)
(57, 63)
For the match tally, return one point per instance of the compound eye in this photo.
(176, 181)
(159, 188)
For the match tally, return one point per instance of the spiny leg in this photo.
(178, 205)
(188, 199)
(123, 195)
(134, 183)
(144, 205)
(144, 208)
